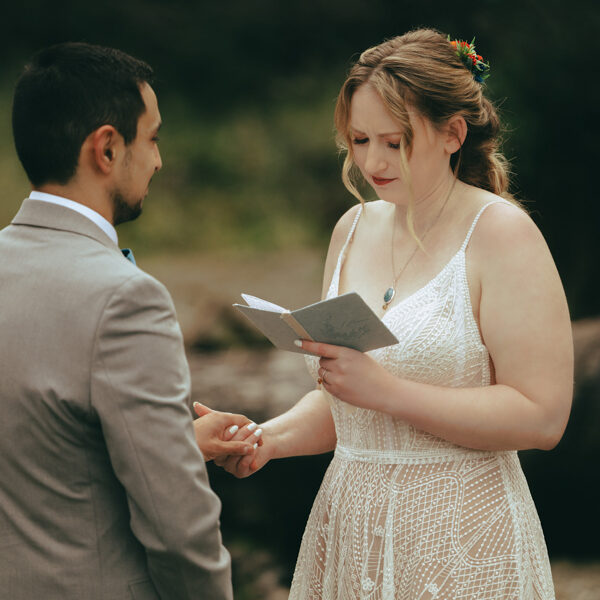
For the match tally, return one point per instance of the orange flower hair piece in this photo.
(473, 61)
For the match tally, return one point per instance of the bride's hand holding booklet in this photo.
(345, 320)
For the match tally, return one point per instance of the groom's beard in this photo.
(124, 211)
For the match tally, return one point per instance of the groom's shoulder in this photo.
(105, 272)
(122, 272)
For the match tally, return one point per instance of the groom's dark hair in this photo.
(65, 93)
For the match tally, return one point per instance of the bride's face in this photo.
(376, 139)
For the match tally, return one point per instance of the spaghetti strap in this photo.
(472, 228)
(348, 239)
(333, 284)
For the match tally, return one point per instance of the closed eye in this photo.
(360, 140)
(394, 146)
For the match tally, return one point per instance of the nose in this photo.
(375, 162)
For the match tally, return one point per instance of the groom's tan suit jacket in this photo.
(103, 491)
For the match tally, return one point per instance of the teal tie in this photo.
(128, 254)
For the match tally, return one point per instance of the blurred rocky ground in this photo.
(234, 368)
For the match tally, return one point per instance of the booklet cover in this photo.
(345, 320)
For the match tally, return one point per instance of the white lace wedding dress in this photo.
(404, 515)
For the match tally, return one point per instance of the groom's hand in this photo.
(214, 431)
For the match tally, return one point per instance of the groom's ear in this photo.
(105, 146)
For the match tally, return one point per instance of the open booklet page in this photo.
(343, 321)
(255, 302)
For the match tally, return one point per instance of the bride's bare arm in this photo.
(525, 325)
(307, 428)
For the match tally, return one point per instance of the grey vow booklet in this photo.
(343, 321)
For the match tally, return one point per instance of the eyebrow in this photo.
(358, 131)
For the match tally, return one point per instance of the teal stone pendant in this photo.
(388, 297)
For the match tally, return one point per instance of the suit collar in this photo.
(86, 211)
(37, 213)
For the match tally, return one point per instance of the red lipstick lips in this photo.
(382, 180)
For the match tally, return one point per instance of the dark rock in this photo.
(227, 329)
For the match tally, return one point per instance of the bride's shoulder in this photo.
(500, 220)
(503, 231)
(378, 208)
(369, 212)
(342, 228)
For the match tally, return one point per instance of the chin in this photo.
(393, 198)
(125, 211)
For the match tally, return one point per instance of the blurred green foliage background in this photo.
(247, 90)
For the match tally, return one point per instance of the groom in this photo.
(103, 491)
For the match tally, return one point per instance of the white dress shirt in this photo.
(86, 211)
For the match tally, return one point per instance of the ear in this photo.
(456, 129)
(105, 145)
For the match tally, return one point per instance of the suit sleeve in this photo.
(140, 388)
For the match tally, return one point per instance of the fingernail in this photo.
(233, 429)
(196, 404)
(255, 446)
(252, 427)
(258, 432)
(298, 343)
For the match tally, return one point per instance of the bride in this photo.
(425, 497)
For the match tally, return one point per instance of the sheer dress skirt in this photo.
(460, 527)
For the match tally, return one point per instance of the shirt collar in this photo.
(86, 211)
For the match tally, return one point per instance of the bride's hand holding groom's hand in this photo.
(247, 465)
(249, 433)
(306, 428)
(217, 434)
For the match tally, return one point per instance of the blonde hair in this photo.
(421, 69)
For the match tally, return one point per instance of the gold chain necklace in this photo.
(391, 291)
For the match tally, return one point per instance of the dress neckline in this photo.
(420, 290)
(335, 283)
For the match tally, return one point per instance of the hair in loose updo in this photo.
(421, 69)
